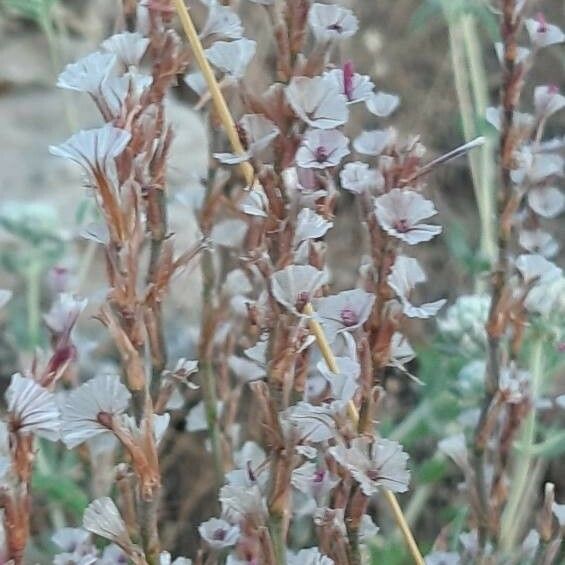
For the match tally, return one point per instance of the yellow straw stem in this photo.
(214, 88)
(247, 170)
(353, 413)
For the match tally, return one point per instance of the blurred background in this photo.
(437, 55)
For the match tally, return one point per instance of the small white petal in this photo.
(329, 22)
(232, 57)
(127, 46)
(382, 104)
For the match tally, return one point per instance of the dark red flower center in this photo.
(219, 534)
(348, 73)
(319, 475)
(542, 23)
(401, 226)
(321, 154)
(336, 27)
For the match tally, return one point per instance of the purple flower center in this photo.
(336, 27)
(348, 317)
(401, 226)
(321, 154)
(319, 475)
(348, 73)
(219, 534)
(542, 23)
(552, 89)
(373, 474)
(302, 299)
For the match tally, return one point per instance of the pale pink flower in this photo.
(310, 225)
(317, 101)
(353, 86)
(128, 47)
(315, 423)
(321, 149)
(374, 142)
(32, 408)
(357, 177)
(539, 241)
(218, 533)
(399, 213)
(296, 285)
(232, 57)
(374, 464)
(406, 274)
(64, 313)
(311, 556)
(88, 74)
(223, 22)
(382, 104)
(542, 33)
(548, 100)
(547, 201)
(329, 22)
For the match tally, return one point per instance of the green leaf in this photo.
(61, 489)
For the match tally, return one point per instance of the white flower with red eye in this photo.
(322, 149)
(374, 464)
(296, 285)
(329, 22)
(548, 100)
(406, 274)
(32, 409)
(232, 57)
(222, 22)
(344, 312)
(382, 104)
(352, 85)
(91, 408)
(374, 142)
(317, 101)
(94, 149)
(128, 47)
(547, 201)
(218, 533)
(88, 74)
(258, 131)
(542, 33)
(539, 241)
(357, 177)
(399, 213)
(314, 423)
(64, 313)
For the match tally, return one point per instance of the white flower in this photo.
(229, 233)
(223, 22)
(232, 57)
(218, 533)
(196, 81)
(374, 142)
(255, 203)
(401, 351)
(537, 269)
(543, 34)
(344, 383)
(315, 423)
(311, 556)
(357, 177)
(344, 312)
(382, 104)
(399, 213)
(95, 149)
(73, 540)
(310, 225)
(196, 418)
(296, 285)
(259, 132)
(5, 296)
(165, 559)
(32, 408)
(321, 149)
(246, 370)
(131, 85)
(102, 397)
(329, 21)
(548, 100)
(521, 121)
(406, 274)
(380, 464)
(102, 518)
(64, 313)
(547, 201)
(536, 166)
(317, 101)
(559, 513)
(128, 47)
(88, 73)
(240, 502)
(539, 241)
(443, 558)
(353, 86)
(314, 481)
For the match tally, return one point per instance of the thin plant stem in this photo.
(510, 526)
(329, 358)
(214, 88)
(33, 301)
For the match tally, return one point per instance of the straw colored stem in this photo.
(329, 358)
(214, 88)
